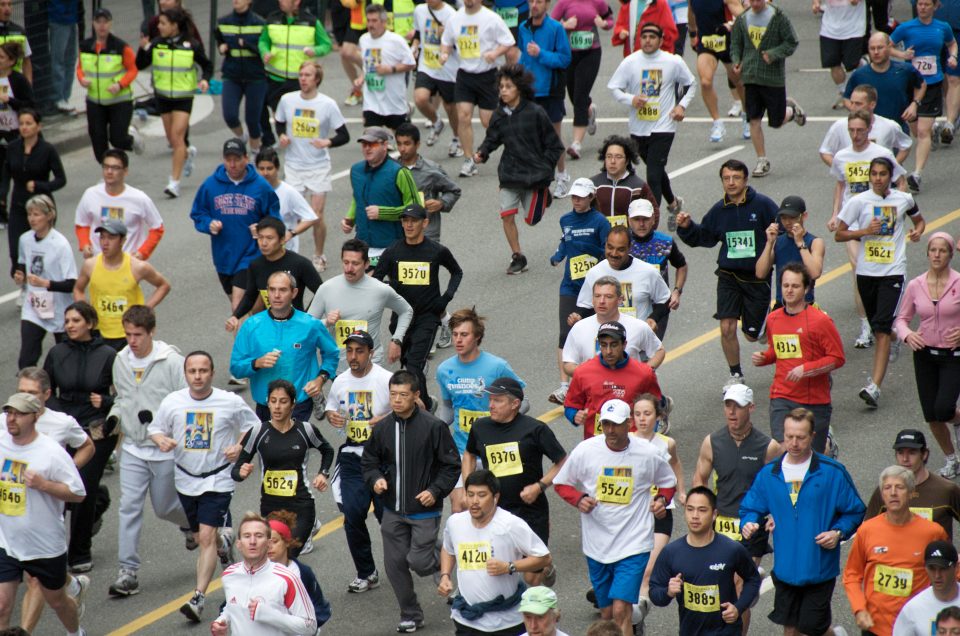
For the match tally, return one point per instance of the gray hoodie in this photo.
(163, 376)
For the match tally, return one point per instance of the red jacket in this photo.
(658, 12)
(594, 383)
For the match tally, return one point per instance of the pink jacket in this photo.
(935, 320)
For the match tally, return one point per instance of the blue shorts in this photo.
(209, 509)
(619, 580)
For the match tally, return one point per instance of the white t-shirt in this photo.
(8, 116)
(293, 209)
(853, 168)
(795, 472)
(362, 398)
(31, 522)
(132, 206)
(51, 258)
(308, 119)
(621, 525)
(203, 429)
(385, 94)
(918, 617)
(506, 538)
(656, 77)
(431, 31)
(581, 343)
(61, 428)
(473, 35)
(884, 132)
(884, 254)
(641, 284)
(843, 20)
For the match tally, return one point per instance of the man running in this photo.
(434, 78)
(387, 59)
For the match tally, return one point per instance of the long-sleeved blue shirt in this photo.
(548, 67)
(584, 235)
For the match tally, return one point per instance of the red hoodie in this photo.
(658, 12)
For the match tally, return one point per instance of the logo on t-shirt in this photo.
(199, 430)
(111, 212)
(36, 264)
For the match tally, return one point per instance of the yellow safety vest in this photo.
(401, 20)
(252, 30)
(103, 69)
(287, 42)
(22, 39)
(174, 74)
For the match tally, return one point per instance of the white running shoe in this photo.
(736, 109)
(188, 164)
(717, 132)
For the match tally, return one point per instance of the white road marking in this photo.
(623, 120)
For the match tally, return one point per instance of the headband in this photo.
(282, 529)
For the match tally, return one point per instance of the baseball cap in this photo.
(112, 226)
(505, 386)
(583, 187)
(616, 411)
(614, 329)
(538, 600)
(939, 553)
(640, 207)
(23, 402)
(102, 12)
(792, 206)
(374, 134)
(234, 146)
(739, 393)
(359, 336)
(414, 211)
(910, 438)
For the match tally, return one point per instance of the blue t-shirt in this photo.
(584, 235)
(463, 386)
(927, 42)
(786, 251)
(894, 88)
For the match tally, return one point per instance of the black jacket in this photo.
(76, 370)
(426, 459)
(39, 166)
(531, 147)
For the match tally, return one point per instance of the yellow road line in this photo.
(549, 416)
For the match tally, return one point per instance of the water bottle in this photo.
(342, 412)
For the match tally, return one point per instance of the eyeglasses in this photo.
(112, 166)
(615, 157)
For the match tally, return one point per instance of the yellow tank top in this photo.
(112, 291)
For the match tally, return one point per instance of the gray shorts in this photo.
(780, 407)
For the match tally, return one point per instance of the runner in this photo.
(618, 184)
(788, 241)
(386, 60)
(538, 605)
(922, 611)
(281, 445)
(439, 192)
(201, 426)
(237, 36)
(281, 542)
(708, 598)
(434, 78)
(308, 124)
(22, 98)
(298, 216)
(740, 220)
(349, 23)
(843, 27)
(112, 198)
(882, 264)
(531, 149)
(659, 250)
(884, 132)
(495, 553)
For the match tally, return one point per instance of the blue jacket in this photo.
(241, 33)
(548, 67)
(298, 339)
(237, 206)
(321, 606)
(583, 233)
(389, 186)
(827, 500)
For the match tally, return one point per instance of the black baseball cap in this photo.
(941, 554)
(102, 12)
(360, 336)
(909, 438)
(414, 211)
(505, 386)
(792, 206)
(614, 329)
(234, 146)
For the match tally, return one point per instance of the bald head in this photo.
(878, 48)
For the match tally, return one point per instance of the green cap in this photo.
(538, 600)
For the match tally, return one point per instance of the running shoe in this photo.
(592, 120)
(445, 339)
(188, 164)
(455, 149)
(173, 189)
(235, 381)
(951, 468)
(573, 150)
(189, 541)
(865, 339)
(355, 98)
(663, 424)
(736, 109)
(111, 463)
(550, 575)
(558, 396)
(763, 167)
(833, 449)
(126, 584)
(562, 186)
(894, 351)
(673, 209)
(193, 609)
(913, 182)
(745, 133)
(717, 132)
(946, 134)
(469, 168)
(408, 627)
(359, 585)
(799, 115)
(518, 264)
(139, 143)
(871, 395)
(319, 262)
(225, 548)
(839, 631)
(435, 131)
(839, 104)
(735, 378)
(140, 117)
(83, 584)
(80, 568)
(66, 108)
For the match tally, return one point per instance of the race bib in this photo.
(510, 15)
(741, 244)
(431, 56)
(358, 430)
(893, 581)
(756, 34)
(728, 527)
(614, 489)
(42, 303)
(926, 513)
(112, 305)
(580, 265)
(858, 176)
(617, 219)
(504, 459)
(650, 111)
(280, 483)
(580, 40)
(925, 64)
(469, 45)
(473, 556)
(344, 328)
(306, 127)
(715, 43)
(13, 492)
(880, 252)
(787, 346)
(701, 598)
(466, 418)
(413, 273)
(375, 83)
(265, 297)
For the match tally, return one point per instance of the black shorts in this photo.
(836, 52)
(746, 299)
(806, 607)
(759, 542)
(479, 89)
(932, 103)
(52, 572)
(568, 305)
(392, 122)
(769, 99)
(537, 519)
(665, 525)
(723, 56)
(435, 86)
(881, 300)
(166, 105)
(554, 107)
(339, 20)
(229, 281)
(210, 509)
(352, 36)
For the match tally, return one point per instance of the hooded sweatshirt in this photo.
(162, 376)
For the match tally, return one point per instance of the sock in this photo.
(565, 384)
(736, 369)
(74, 587)
(445, 321)
(864, 323)
(840, 88)
(562, 174)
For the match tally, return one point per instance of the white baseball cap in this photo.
(739, 393)
(640, 207)
(616, 411)
(583, 187)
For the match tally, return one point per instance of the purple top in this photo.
(585, 36)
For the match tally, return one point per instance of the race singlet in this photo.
(504, 459)
(473, 556)
(280, 483)
(787, 346)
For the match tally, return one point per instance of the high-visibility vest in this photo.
(287, 42)
(174, 73)
(103, 69)
(250, 30)
(358, 15)
(400, 21)
(22, 39)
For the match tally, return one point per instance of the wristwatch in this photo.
(397, 341)
(512, 567)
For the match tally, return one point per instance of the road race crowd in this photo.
(108, 387)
